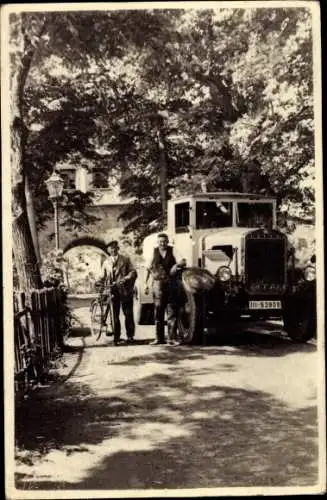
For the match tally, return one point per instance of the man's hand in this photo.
(178, 267)
(122, 281)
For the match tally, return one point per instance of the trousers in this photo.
(164, 302)
(127, 308)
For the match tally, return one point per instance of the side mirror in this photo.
(313, 259)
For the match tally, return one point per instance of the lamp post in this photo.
(55, 185)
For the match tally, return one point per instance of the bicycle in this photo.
(99, 323)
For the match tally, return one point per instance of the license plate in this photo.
(265, 304)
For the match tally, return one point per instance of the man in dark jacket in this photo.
(118, 270)
(162, 267)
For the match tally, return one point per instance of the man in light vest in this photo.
(163, 266)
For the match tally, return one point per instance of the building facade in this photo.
(107, 207)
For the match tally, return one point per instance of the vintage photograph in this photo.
(163, 249)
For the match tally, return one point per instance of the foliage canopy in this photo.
(226, 95)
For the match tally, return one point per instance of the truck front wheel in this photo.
(299, 322)
(190, 318)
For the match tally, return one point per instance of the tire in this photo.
(190, 318)
(111, 321)
(96, 320)
(299, 322)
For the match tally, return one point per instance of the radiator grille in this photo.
(265, 263)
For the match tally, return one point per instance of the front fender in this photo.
(196, 280)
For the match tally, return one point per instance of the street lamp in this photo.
(55, 186)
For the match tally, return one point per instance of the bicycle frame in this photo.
(99, 322)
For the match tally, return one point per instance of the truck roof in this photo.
(225, 194)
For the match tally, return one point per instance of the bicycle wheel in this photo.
(111, 320)
(97, 312)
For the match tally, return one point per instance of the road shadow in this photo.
(140, 341)
(107, 341)
(177, 429)
(248, 345)
(270, 342)
(168, 431)
(261, 339)
(80, 331)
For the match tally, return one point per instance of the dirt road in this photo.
(141, 416)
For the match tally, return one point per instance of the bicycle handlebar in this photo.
(102, 288)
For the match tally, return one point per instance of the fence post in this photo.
(45, 315)
(31, 320)
(23, 321)
(52, 318)
(19, 358)
(39, 351)
(60, 308)
(38, 331)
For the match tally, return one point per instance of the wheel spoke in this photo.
(190, 318)
(96, 320)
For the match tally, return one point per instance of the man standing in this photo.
(162, 267)
(118, 270)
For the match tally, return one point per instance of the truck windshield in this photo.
(213, 214)
(254, 214)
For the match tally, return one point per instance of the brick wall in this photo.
(108, 227)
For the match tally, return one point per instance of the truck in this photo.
(239, 265)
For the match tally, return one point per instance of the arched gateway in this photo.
(84, 257)
(86, 241)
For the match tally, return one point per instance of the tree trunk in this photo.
(162, 174)
(24, 252)
(31, 218)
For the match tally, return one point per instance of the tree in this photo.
(241, 120)
(171, 112)
(23, 247)
(275, 76)
(75, 39)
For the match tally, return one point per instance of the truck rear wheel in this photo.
(190, 318)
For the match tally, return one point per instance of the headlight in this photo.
(310, 273)
(224, 273)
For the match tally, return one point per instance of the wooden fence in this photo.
(39, 324)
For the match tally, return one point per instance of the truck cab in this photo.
(206, 228)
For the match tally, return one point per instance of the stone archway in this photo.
(86, 241)
(84, 257)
